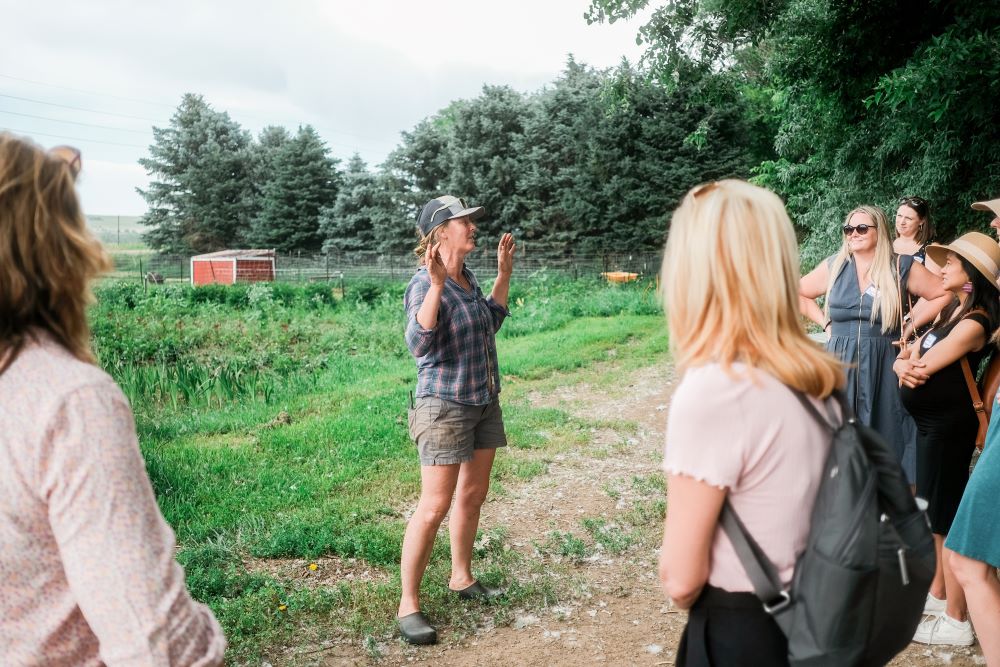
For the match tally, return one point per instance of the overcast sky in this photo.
(99, 74)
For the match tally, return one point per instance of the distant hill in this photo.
(114, 230)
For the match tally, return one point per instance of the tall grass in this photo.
(209, 371)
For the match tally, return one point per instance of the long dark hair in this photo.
(984, 297)
(925, 232)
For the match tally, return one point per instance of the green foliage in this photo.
(302, 180)
(867, 101)
(366, 215)
(593, 163)
(199, 194)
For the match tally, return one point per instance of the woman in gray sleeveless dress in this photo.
(863, 317)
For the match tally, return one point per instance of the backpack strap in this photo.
(759, 568)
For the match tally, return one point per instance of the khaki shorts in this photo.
(448, 432)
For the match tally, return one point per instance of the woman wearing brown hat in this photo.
(456, 420)
(933, 390)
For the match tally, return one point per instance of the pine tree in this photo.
(200, 195)
(302, 180)
(366, 215)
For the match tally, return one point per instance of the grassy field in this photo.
(273, 422)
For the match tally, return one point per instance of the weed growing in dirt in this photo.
(609, 535)
(565, 544)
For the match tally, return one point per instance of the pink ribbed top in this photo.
(87, 569)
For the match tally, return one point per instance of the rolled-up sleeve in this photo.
(498, 312)
(418, 339)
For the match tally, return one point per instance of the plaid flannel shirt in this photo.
(457, 359)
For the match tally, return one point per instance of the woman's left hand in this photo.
(505, 254)
(910, 372)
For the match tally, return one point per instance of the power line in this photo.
(62, 136)
(67, 106)
(74, 122)
(87, 92)
(365, 139)
(370, 141)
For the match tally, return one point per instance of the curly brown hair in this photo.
(47, 255)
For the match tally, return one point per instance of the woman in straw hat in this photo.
(866, 286)
(934, 391)
(730, 285)
(89, 575)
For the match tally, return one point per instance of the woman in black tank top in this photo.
(934, 391)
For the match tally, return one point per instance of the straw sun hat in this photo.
(978, 249)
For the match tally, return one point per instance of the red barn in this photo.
(229, 266)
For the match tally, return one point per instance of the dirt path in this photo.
(617, 614)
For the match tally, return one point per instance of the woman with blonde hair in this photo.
(456, 421)
(737, 426)
(89, 575)
(866, 285)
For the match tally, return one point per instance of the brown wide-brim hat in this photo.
(978, 249)
(992, 205)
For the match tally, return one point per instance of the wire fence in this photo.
(338, 266)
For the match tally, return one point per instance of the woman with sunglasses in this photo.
(737, 428)
(87, 561)
(456, 420)
(865, 285)
(935, 392)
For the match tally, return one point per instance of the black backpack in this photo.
(859, 587)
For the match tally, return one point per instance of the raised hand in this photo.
(505, 254)
(435, 265)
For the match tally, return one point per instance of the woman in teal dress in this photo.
(973, 544)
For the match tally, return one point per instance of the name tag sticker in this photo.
(929, 341)
(872, 291)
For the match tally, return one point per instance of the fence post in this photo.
(342, 292)
(140, 268)
(328, 267)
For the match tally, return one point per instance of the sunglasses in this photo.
(860, 229)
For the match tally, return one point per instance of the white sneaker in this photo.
(933, 606)
(944, 630)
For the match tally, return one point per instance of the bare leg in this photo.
(473, 483)
(437, 485)
(982, 589)
(955, 607)
(937, 585)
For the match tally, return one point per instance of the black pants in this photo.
(731, 630)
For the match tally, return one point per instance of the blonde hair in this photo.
(425, 242)
(731, 288)
(47, 255)
(882, 271)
